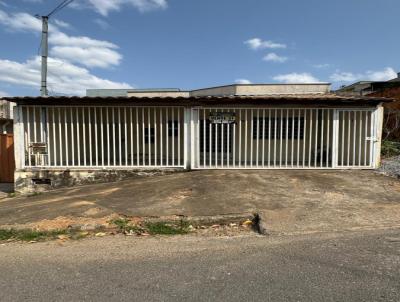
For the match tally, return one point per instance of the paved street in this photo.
(327, 267)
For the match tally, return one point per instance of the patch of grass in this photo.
(121, 223)
(124, 225)
(34, 194)
(390, 148)
(164, 228)
(12, 195)
(30, 235)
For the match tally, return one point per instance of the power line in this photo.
(60, 7)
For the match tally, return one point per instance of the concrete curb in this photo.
(258, 223)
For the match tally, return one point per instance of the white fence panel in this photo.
(283, 138)
(104, 136)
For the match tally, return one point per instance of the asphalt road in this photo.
(361, 266)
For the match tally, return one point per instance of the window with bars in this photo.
(290, 126)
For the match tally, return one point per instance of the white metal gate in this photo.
(282, 138)
(104, 136)
(219, 138)
(356, 138)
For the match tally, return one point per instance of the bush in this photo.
(390, 148)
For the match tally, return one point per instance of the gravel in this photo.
(391, 166)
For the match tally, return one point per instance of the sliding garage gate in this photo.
(91, 137)
(208, 138)
(282, 138)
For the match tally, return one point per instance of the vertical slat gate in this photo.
(104, 136)
(286, 138)
(153, 137)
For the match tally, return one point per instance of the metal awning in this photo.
(301, 99)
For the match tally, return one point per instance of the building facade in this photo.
(72, 140)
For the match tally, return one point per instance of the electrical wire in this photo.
(60, 7)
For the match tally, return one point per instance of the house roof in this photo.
(320, 99)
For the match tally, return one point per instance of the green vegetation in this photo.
(164, 228)
(153, 228)
(390, 148)
(124, 226)
(34, 194)
(30, 235)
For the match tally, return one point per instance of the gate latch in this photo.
(372, 139)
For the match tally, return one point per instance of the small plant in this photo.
(12, 195)
(30, 235)
(34, 194)
(124, 226)
(121, 223)
(390, 148)
(164, 228)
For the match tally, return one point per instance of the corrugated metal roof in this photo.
(303, 97)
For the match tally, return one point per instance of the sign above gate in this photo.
(222, 117)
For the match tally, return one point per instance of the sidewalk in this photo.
(291, 201)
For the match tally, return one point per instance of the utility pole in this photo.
(45, 44)
(45, 53)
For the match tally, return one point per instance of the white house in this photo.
(70, 140)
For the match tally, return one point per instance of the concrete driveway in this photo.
(291, 201)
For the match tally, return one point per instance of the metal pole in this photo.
(45, 49)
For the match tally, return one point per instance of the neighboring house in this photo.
(6, 116)
(363, 88)
(71, 140)
(389, 89)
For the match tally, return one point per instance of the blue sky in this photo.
(192, 44)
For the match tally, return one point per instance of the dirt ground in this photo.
(290, 201)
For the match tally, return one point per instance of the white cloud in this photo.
(242, 81)
(20, 22)
(296, 78)
(344, 77)
(257, 44)
(78, 49)
(65, 51)
(90, 56)
(63, 77)
(61, 23)
(104, 7)
(103, 24)
(59, 38)
(379, 75)
(273, 57)
(320, 66)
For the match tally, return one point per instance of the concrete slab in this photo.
(5, 189)
(291, 201)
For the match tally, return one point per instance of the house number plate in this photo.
(222, 117)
